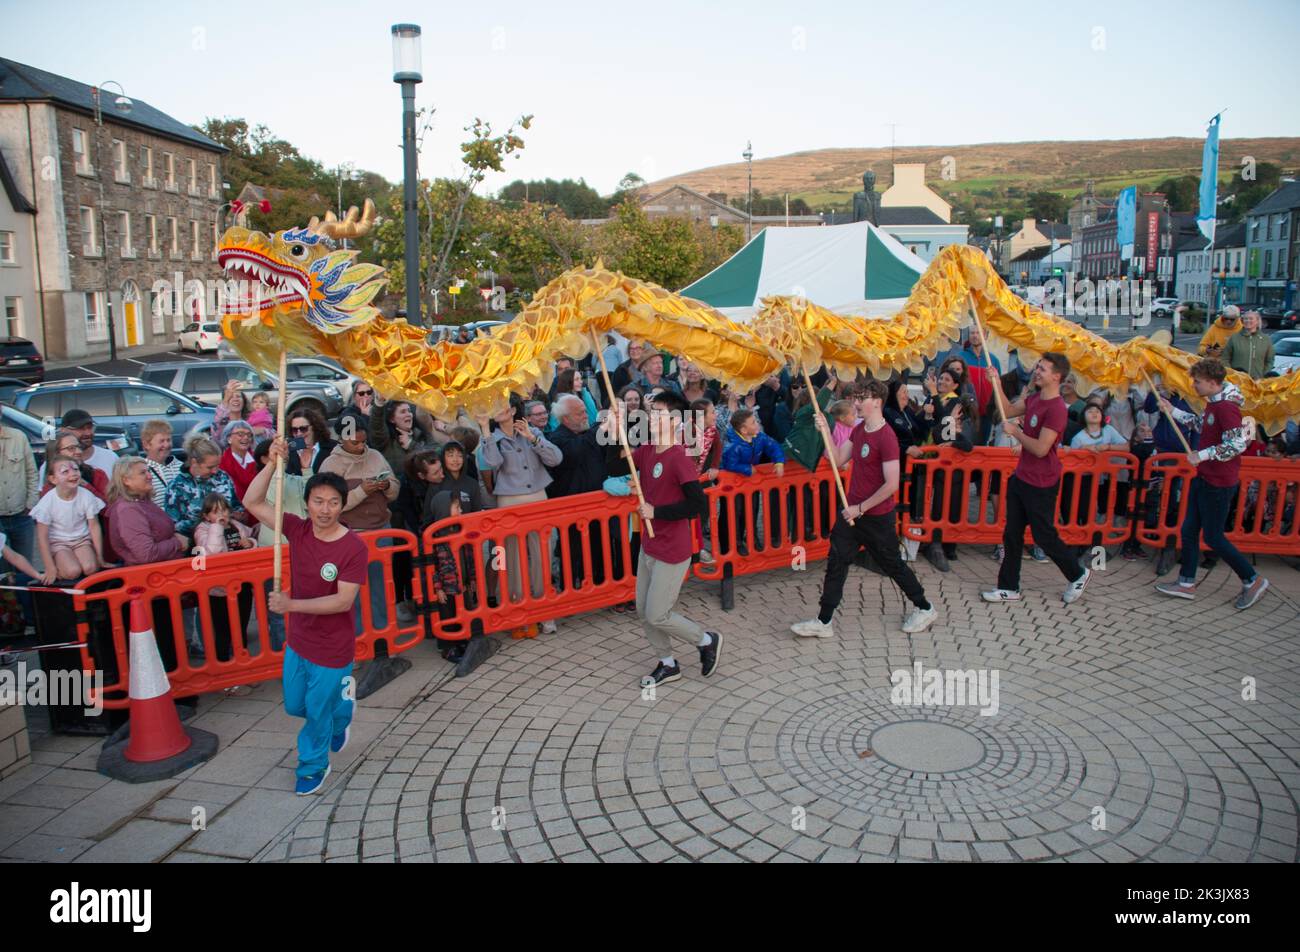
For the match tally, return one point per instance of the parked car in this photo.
(125, 403)
(322, 370)
(1286, 355)
(200, 337)
(40, 431)
(1163, 307)
(1283, 335)
(206, 381)
(11, 385)
(20, 359)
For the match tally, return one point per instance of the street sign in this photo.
(454, 289)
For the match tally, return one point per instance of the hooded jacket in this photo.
(1217, 335)
(1223, 437)
(362, 510)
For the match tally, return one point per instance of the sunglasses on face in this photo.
(299, 429)
(365, 393)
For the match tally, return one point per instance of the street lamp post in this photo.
(122, 105)
(406, 71)
(346, 169)
(749, 195)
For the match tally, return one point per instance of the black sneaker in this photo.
(742, 548)
(709, 654)
(934, 555)
(662, 674)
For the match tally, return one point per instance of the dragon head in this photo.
(299, 273)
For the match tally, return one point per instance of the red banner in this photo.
(1153, 234)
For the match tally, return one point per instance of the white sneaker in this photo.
(919, 620)
(1075, 589)
(814, 628)
(548, 628)
(706, 557)
(1001, 595)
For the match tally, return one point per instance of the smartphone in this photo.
(297, 444)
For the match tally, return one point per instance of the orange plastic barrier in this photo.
(1256, 521)
(793, 515)
(502, 563)
(192, 585)
(936, 495)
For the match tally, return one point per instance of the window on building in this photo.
(212, 180)
(14, 316)
(151, 233)
(1284, 227)
(1254, 230)
(194, 177)
(125, 247)
(96, 321)
(1268, 262)
(146, 166)
(169, 171)
(81, 151)
(8, 250)
(195, 253)
(120, 170)
(174, 234)
(214, 241)
(89, 232)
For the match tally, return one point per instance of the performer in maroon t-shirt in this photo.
(873, 449)
(673, 497)
(1218, 468)
(1037, 421)
(327, 566)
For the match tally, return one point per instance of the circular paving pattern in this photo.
(925, 747)
(1120, 733)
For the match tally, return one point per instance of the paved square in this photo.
(1120, 734)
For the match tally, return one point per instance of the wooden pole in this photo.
(279, 472)
(826, 440)
(988, 360)
(622, 430)
(1168, 416)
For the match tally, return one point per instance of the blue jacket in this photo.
(741, 457)
(1166, 439)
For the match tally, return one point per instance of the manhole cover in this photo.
(927, 747)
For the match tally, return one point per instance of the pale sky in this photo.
(668, 87)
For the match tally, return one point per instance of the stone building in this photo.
(128, 212)
(17, 259)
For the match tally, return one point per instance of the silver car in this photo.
(206, 380)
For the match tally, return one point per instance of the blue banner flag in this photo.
(1205, 218)
(1126, 220)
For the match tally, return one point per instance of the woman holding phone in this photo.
(309, 443)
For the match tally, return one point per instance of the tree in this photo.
(1181, 192)
(575, 199)
(1048, 206)
(1245, 194)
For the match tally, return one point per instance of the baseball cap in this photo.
(75, 418)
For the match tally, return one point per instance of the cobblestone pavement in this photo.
(1120, 734)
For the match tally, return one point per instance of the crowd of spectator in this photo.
(86, 508)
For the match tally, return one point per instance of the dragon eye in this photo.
(298, 251)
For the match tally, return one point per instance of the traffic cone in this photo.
(156, 731)
(157, 745)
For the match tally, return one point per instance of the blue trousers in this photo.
(321, 696)
(1207, 512)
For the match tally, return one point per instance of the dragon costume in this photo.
(299, 290)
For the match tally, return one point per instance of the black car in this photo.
(20, 359)
(39, 432)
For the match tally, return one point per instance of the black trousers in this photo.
(1035, 507)
(879, 536)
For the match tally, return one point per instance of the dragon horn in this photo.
(354, 224)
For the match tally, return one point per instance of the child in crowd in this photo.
(708, 457)
(749, 447)
(68, 535)
(260, 418)
(841, 411)
(217, 532)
